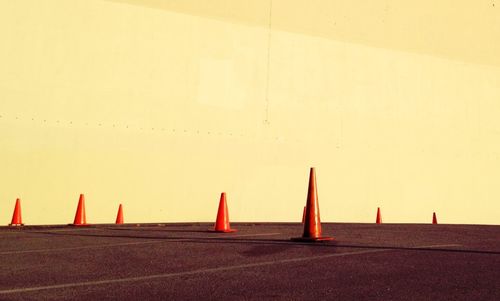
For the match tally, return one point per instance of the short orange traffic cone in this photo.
(119, 216)
(80, 218)
(16, 217)
(379, 216)
(434, 218)
(222, 222)
(312, 223)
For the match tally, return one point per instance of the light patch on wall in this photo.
(218, 85)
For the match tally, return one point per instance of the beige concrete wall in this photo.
(163, 105)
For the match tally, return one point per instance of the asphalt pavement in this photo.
(258, 262)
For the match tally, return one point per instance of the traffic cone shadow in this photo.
(312, 222)
(222, 221)
(16, 216)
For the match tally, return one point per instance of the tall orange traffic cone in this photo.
(312, 223)
(379, 216)
(119, 216)
(222, 222)
(434, 218)
(16, 217)
(80, 218)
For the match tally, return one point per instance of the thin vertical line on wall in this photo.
(266, 121)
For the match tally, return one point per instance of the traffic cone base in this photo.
(312, 239)
(16, 225)
(223, 231)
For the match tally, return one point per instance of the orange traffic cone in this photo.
(80, 218)
(119, 216)
(312, 223)
(222, 222)
(434, 218)
(379, 216)
(16, 217)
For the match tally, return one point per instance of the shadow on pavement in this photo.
(281, 242)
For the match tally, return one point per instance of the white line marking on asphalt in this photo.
(26, 232)
(81, 247)
(438, 246)
(74, 228)
(246, 235)
(152, 240)
(201, 271)
(194, 272)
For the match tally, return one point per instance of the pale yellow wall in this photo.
(161, 105)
